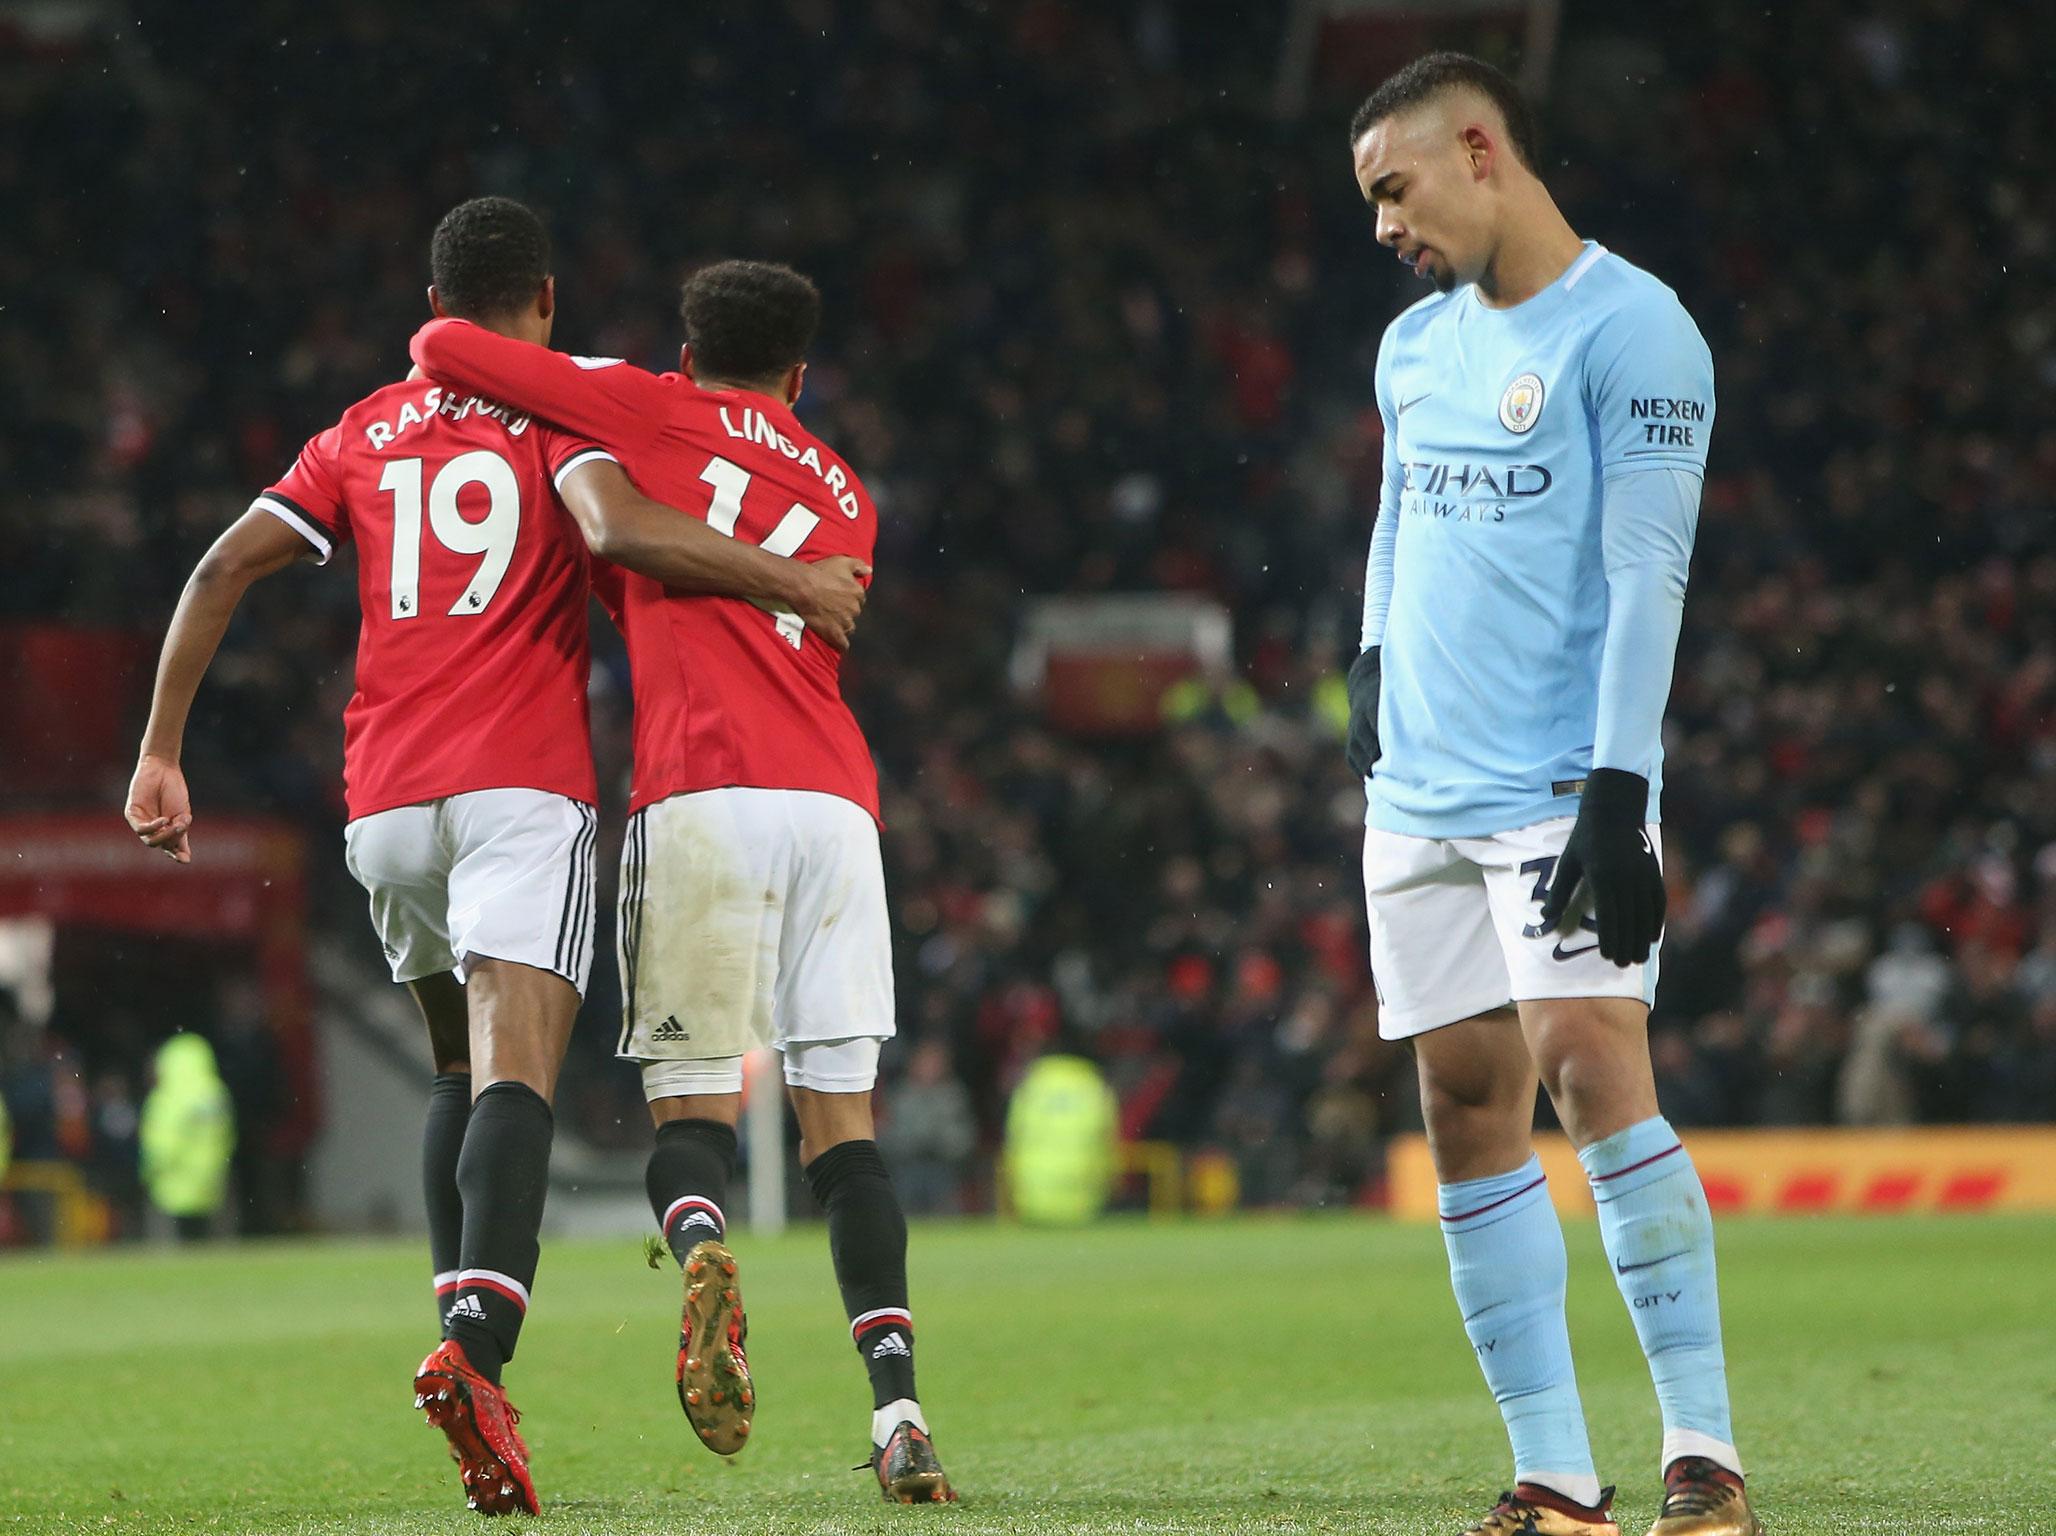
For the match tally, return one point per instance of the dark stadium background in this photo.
(1102, 303)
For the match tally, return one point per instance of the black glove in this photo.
(1364, 681)
(1609, 851)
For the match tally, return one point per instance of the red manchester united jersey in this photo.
(472, 661)
(726, 692)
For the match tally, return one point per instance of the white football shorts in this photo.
(826, 1066)
(497, 874)
(754, 917)
(1456, 928)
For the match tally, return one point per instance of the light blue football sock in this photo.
(1507, 1265)
(1659, 1239)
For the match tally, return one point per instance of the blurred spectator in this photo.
(1342, 1130)
(1989, 1024)
(187, 1136)
(1249, 1124)
(2028, 1068)
(1892, 1049)
(116, 1167)
(40, 1083)
(1061, 1132)
(1898, 1036)
(1802, 1054)
(246, 1051)
(929, 1132)
(1688, 1092)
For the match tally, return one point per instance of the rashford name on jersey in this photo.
(439, 402)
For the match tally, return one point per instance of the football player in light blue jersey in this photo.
(1546, 417)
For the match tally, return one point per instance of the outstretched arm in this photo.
(658, 541)
(605, 399)
(159, 809)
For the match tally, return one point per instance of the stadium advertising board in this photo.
(1809, 1172)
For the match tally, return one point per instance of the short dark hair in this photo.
(748, 320)
(1434, 73)
(489, 257)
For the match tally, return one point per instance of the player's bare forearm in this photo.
(658, 541)
(256, 546)
(652, 539)
(687, 556)
(204, 611)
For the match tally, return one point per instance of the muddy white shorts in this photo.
(1456, 928)
(826, 1066)
(752, 917)
(497, 874)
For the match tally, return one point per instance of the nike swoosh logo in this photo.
(1560, 953)
(1629, 1269)
(1407, 405)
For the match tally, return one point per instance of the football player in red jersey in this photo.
(753, 899)
(468, 762)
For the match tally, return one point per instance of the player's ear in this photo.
(685, 360)
(546, 301)
(794, 382)
(1479, 150)
(435, 304)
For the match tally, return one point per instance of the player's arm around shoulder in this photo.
(604, 398)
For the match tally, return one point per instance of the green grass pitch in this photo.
(1274, 1375)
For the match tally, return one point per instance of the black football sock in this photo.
(687, 1180)
(442, 1139)
(504, 1173)
(867, 1236)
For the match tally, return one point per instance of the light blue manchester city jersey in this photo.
(1503, 431)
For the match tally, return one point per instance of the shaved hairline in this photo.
(1442, 99)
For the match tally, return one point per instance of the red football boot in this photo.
(909, 1472)
(476, 1415)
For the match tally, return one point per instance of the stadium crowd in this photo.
(1098, 319)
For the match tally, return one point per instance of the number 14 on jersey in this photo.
(729, 482)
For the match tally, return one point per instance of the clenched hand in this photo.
(160, 811)
(830, 596)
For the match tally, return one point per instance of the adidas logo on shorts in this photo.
(670, 1029)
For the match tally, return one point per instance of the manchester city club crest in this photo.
(1521, 403)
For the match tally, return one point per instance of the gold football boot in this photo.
(1703, 1498)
